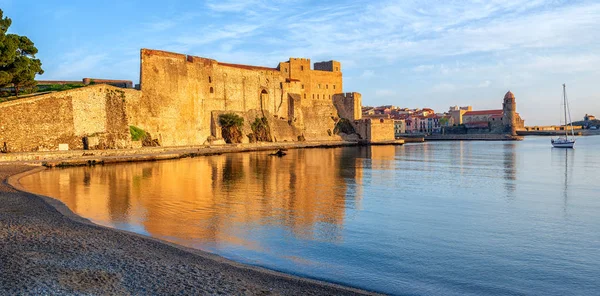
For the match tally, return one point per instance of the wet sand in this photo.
(47, 249)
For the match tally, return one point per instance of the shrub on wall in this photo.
(260, 130)
(231, 127)
(137, 134)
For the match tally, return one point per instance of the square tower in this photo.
(331, 66)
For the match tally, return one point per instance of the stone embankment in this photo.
(93, 157)
(473, 137)
(45, 249)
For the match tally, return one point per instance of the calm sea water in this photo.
(446, 218)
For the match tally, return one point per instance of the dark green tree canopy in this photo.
(18, 65)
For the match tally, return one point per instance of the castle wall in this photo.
(180, 93)
(375, 130)
(349, 105)
(41, 123)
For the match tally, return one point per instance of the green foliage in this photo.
(137, 134)
(231, 120)
(231, 127)
(260, 130)
(18, 65)
(444, 121)
(60, 87)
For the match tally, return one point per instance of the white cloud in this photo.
(384, 92)
(366, 74)
(444, 87)
(485, 83)
(76, 65)
(423, 68)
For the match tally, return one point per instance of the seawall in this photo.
(94, 157)
(473, 137)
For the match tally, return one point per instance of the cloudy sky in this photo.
(407, 53)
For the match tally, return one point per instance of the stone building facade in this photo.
(180, 100)
(42, 123)
(498, 121)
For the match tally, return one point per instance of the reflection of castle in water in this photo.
(510, 171)
(212, 199)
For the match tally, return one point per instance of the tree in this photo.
(18, 65)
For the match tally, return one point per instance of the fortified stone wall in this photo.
(181, 92)
(349, 105)
(43, 122)
(375, 130)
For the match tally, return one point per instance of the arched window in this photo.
(209, 80)
(304, 96)
(317, 96)
(326, 86)
(301, 68)
(212, 90)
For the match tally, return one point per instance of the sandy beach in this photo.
(46, 249)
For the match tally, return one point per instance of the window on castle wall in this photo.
(305, 96)
(326, 86)
(317, 96)
(209, 80)
(334, 86)
(285, 70)
(302, 86)
(212, 90)
(313, 96)
(301, 68)
(337, 69)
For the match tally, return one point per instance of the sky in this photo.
(411, 54)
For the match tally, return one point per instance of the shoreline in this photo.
(95, 157)
(48, 249)
(473, 137)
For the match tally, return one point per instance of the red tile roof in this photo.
(484, 112)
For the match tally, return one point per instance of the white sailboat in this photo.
(565, 142)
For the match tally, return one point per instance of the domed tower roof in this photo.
(509, 95)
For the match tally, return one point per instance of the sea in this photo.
(434, 218)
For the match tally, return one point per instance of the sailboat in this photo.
(565, 142)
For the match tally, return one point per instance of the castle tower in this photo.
(509, 110)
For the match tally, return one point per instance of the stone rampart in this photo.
(181, 92)
(348, 105)
(41, 123)
(375, 130)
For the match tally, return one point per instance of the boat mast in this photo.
(565, 108)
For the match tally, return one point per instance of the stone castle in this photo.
(499, 121)
(179, 102)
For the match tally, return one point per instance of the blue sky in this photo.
(406, 53)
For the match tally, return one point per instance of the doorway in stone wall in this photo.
(264, 97)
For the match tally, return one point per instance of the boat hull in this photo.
(563, 144)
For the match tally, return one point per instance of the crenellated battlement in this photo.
(330, 66)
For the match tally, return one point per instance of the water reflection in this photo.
(564, 158)
(420, 219)
(510, 169)
(214, 199)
